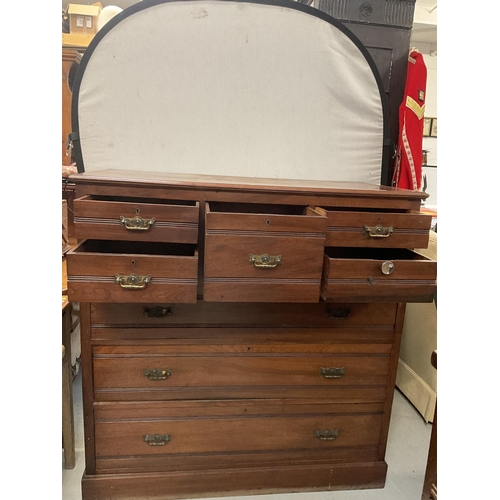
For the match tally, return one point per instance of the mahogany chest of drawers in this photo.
(240, 336)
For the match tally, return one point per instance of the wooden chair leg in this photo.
(68, 426)
(429, 490)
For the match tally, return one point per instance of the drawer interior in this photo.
(373, 254)
(136, 247)
(128, 199)
(257, 208)
(362, 209)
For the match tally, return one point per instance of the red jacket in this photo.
(408, 167)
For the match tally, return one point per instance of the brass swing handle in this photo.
(158, 311)
(137, 223)
(338, 312)
(333, 372)
(265, 260)
(156, 439)
(379, 231)
(326, 435)
(133, 282)
(158, 373)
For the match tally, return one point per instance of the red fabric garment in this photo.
(408, 167)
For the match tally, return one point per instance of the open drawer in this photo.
(263, 253)
(135, 219)
(114, 271)
(377, 275)
(347, 228)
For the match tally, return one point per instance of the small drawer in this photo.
(378, 275)
(237, 368)
(114, 271)
(247, 426)
(263, 253)
(376, 229)
(135, 219)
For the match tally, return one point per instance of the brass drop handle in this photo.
(133, 282)
(158, 373)
(158, 311)
(332, 372)
(137, 223)
(265, 260)
(338, 312)
(379, 231)
(326, 435)
(156, 439)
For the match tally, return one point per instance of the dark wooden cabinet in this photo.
(224, 364)
(384, 27)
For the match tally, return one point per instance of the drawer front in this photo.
(237, 428)
(203, 314)
(263, 257)
(377, 229)
(117, 219)
(156, 368)
(112, 272)
(240, 256)
(402, 276)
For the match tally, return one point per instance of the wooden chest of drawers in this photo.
(248, 343)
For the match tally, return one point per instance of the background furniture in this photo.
(68, 422)
(70, 365)
(416, 378)
(429, 490)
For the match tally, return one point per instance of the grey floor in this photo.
(406, 457)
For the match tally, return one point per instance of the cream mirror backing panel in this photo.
(229, 88)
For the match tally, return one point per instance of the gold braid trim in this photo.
(415, 107)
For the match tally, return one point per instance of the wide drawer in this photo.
(378, 275)
(155, 367)
(112, 271)
(180, 428)
(205, 314)
(263, 253)
(135, 219)
(376, 229)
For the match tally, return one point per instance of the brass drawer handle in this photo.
(158, 311)
(338, 312)
(326, 435)
(265, 260)
(332, 372)
(158, 373)
(379, 231)
(156, 439)
(137, 223)
(133, 282)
